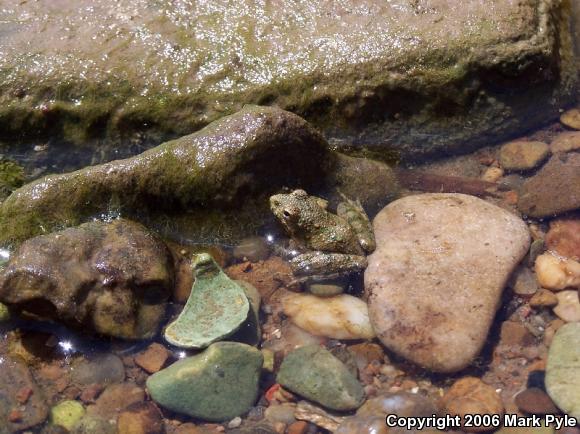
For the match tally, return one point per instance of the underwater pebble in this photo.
(217, 384)
(67, 414)
(564, 237)
(281, 413)
(492, 174)
(535, 401)
(557, 273)
(544, 298)
(314, 373)
(115, 398)
(522, 155)
(571, 118)
(563, 369)
(4, 313)
(568, 307)
(566, 142)
(403, 404)
(363, 425)
(141, 418)
(436, 278)
(523, 281)
(153, 358)
(338, 317)
(252, 249)
(101, 369)
(289, 337)
(326, 289)
(216, 308)
(470, 395)
(318, 416)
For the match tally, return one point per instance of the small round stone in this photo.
(571, 118)
(470, 395)
(67, 414)
(568, 307)
(535, 401)
(522, 155)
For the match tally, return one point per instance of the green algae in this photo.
(216, 308)
(11, 177)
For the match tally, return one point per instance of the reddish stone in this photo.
(24, 394)
(153, 359)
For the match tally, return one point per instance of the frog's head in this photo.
(288, 209)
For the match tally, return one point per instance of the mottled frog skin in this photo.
(336, 243)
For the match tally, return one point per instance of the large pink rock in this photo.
(436, 277)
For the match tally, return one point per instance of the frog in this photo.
(331, 245)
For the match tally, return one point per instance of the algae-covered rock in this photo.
(214, 178)
(314, 373)
(11, 177)
(216, 308)
(111, 278)
(217, 385)
(67, 414)
(418, 76)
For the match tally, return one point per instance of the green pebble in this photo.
(67, 414)
(314, 373)
(216, 385)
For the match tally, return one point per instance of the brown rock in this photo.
(523, 155)
(154, 358)
(566, 142)
(535, 401)
(542, 195)
(113, 278)
(403, 404)
(564, 237)
(470, 395)
(190, 428)
(114, 399)
(266, 276)
(514, 333)
(544, 298)
(141, 418)
(299, 427)
(91, 393)
(16, 415)
(437, 275)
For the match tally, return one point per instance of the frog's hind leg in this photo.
(353, 212)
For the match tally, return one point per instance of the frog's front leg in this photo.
(353, 212)
(327, 264)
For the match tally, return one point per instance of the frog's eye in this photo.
(286, 213)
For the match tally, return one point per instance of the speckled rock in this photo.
(15, 376)
(521, 156)
(216, 308)
(111, 278)
(541, 195)
(314, 373)
(436, 277)
(563, 369)
(216, 385)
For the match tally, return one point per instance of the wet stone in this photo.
(571, 118)
(216, 385)
(115, 399)
(556, 272)
(563, 369)
(541, 195)
(566, 142)
(314, 373)
(568, 307)
(15, 376)
(216, 308)
(403, 404)
(544, 298)
(523, 281)
(470, 395)
(110, 278)
(564, 237)
(436, 278)
(141, 418)
(252, 249)
(521, 156)
(535, 401)
(67, 414)
(103, 369)
(153, 358)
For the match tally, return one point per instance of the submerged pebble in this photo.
(67, 414)
(141, 418)
(564, 237)
(556, 272)
(252, 249)
(216, 385)
(338, 317)
(568, 307)
(571, 118)
(521, 155)
(563, 369)
(314, 373)
(101, 369)
(566, 142)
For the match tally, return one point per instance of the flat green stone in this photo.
(217, 385)
(216, 308)
(314, 373)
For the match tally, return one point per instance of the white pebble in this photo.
(568, 307)
(554, 272)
